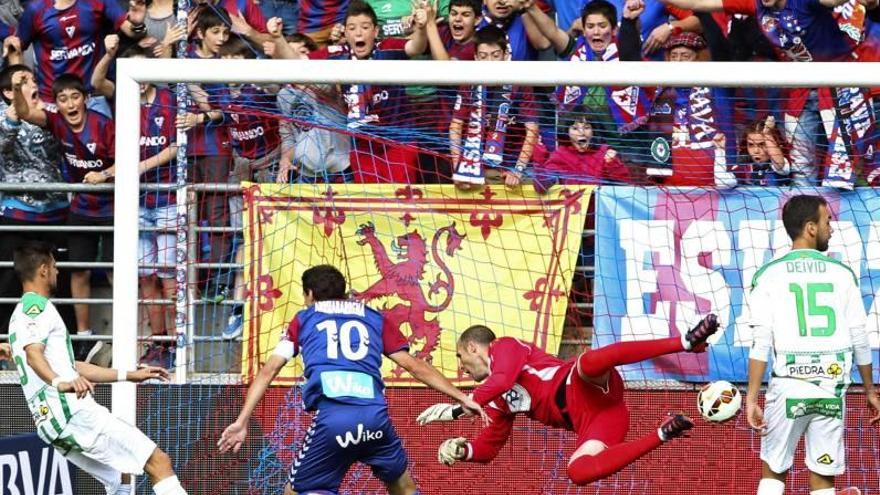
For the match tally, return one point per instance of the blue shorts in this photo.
(341, 435)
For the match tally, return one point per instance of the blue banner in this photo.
(667, 257)
(28, 466)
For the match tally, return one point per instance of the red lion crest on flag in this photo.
(404, 279)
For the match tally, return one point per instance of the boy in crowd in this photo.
(373, 108)
(501, 132)
(522, 38)
(312, 151)
(30, 154)
(208, 147)
(456, 35)
(615, 120)
(88, 145)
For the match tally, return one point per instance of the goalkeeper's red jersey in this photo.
(522, 379)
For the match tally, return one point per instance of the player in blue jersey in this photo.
(342, 342)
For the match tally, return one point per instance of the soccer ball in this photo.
(719, 401)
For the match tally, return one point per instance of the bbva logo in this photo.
(18, 476)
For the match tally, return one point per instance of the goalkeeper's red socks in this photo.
(596, 362)
(589, 468)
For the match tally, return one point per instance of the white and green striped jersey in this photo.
(807, 308)
(36, 321)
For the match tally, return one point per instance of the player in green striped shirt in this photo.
(59, 389)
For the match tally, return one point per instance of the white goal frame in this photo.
(130, 72)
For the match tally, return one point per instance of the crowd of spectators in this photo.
(58, 92)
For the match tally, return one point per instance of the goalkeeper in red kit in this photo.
(583, 395)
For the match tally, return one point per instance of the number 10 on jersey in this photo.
(339, 339)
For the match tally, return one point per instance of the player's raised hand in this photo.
(755, 417)
(452, 450)
(148, 373)
(874, 407)
(233, 437)
(439, 412)
(81, 386)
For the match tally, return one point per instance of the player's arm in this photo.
(485, 446)
(862, 349)
(534, 35)
(36, 359)
(427, 374)
(762, 343)
(99, 374)
(508, 358)
(36, 116)
(548, 29)
(242, 26)
(528, 147)
(234, 435)
(455, 128)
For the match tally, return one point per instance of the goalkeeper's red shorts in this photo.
(597, 413)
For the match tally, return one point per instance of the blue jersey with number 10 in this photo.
(342, 343)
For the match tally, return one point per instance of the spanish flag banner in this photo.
(433, 259)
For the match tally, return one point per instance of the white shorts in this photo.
(789, 418)
(108, 446)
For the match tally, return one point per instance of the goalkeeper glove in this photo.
(440, 412)
(452, 450)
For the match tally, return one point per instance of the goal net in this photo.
(564, 207)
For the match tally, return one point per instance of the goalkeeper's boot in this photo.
(674, 426)
(695, 339)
